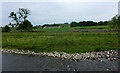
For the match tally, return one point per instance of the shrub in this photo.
(6, 29)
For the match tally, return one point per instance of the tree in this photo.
(118, 22)
(20, 16)
(21, 27)
(26, 26)
(10, 24)
(13, 15)
(66, 23)
(6, 28)
(118, 32)
(73, 24)
(113, 23)
(23, 13)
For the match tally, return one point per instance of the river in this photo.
(14, 62)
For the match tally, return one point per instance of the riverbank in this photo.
(109, 55)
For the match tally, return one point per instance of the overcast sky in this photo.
(61, 12)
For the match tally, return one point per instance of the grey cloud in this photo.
(56, 12)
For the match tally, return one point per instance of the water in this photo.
(14, 62)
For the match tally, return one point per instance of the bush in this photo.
(100, 28)
(6, 29)
(26, 26)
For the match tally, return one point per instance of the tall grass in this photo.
(61, 41)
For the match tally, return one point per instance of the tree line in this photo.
(88, 23)
(113, 23)
(82, 23)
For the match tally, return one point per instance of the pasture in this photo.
(75, 28)
(77, 42)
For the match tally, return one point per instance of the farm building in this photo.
(65, 26)
(51, 27)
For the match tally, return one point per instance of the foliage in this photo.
(118, 22)
(10, 24)
(20, 18)
(113, 22)
(13, 15)
(70, 42)
(23, 13)
(26, 26)
(6, 28)
(87, 23)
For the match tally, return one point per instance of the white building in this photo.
(51, 27)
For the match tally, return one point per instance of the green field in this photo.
(104, 27)
(74, 28)
(69, 42)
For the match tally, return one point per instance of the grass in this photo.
(103, 27)
(77, 42)
(74, 28)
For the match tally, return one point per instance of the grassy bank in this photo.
(68, 42)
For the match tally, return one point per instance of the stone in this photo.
(99, 59)
(107, 56)
(110, 55)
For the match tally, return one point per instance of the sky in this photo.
(49, 12)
